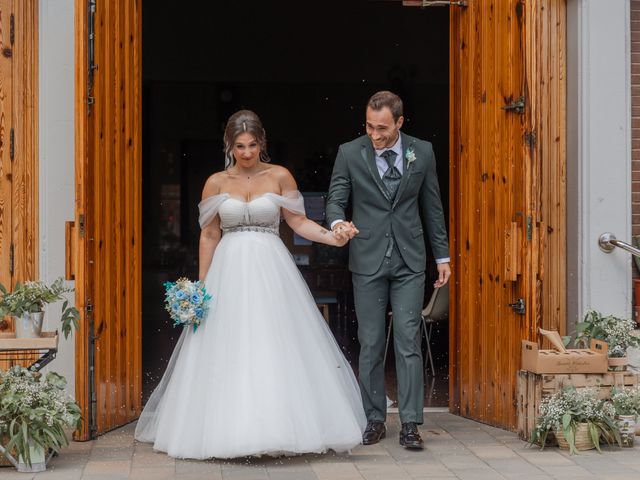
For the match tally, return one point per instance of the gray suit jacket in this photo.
(417, 207)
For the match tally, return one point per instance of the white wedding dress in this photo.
(262, 374)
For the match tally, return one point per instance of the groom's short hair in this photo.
(388, 99)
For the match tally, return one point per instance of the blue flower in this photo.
(186, 302)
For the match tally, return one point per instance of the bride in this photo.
(263, 373)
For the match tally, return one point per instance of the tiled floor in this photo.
(456, 448)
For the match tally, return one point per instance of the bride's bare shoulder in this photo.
(280, 173)
(213, 184)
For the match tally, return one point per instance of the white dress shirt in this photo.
(381, 163)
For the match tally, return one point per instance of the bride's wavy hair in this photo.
(244, 121)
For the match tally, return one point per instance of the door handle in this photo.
(69, 250)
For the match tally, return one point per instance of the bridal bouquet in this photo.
(186, 302)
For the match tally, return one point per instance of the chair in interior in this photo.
(436, 311)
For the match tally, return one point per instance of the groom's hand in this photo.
(444, 272)
(344, 231)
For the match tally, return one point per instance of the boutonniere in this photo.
(411, 156)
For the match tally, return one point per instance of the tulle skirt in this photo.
(262, 374)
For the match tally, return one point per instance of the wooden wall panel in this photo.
(18, 136)
(501, 51)
(111, 184)
(25, 165)
(6, 123)
(546, 64)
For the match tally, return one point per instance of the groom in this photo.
(391, 178)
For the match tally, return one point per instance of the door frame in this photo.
(80, 259)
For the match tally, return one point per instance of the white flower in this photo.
(411, 156)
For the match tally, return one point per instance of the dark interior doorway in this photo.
(307, 69)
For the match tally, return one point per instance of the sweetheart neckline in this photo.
(233, 197)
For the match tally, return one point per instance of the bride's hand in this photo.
(339, 240)
(343, 234)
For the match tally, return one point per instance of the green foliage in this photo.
(30, 297)
(34, 410)
(613, 330)
(626, 400)
(569, 407)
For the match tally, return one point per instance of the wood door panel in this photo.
(506, 184)
(108, 171)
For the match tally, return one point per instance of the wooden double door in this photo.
(507, 197)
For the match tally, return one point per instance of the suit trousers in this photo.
(396, 283)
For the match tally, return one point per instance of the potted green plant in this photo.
(578, 418)
(617, 332)
(34, 411)
(26, 305)
(626, 402)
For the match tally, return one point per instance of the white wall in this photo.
(599, 155)
(56, 157)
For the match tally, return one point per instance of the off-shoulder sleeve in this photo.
(292, 201)
(209, 208)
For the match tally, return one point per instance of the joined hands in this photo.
(343, 232)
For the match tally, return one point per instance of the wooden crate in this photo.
(533, 387)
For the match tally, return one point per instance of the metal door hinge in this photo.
(530, 139)
(516, 106)
(12, 144)
(519, 307)
(529, 227)
(88, 306)
(444, 3)
(91, 67)
(11, 258)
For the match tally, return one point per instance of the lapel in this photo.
(407, 143)
(369, 156)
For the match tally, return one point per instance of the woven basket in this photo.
(4, 462)
(618, 364)
(583, 439)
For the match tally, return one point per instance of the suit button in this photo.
(386, 234)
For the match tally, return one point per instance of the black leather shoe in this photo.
(374, 432)
(410, 437)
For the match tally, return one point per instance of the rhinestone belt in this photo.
(274, 231)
